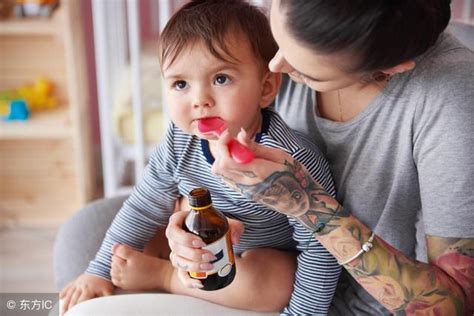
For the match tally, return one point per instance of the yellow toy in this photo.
(38, 96)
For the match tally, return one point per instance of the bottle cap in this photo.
(200, 197)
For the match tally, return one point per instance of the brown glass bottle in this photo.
(212, 226)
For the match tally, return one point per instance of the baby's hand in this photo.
(85, 287)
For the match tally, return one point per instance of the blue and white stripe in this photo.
(182, 162)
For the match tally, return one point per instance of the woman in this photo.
(390, 98)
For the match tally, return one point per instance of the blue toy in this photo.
(18, 111)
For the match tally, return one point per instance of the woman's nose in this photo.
(279, 64)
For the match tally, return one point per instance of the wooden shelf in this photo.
(32, 26)
(53, 124)
(48, 160)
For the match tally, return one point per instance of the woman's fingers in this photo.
(187, 281)
(227, 170)
(189, 246)
(189, 265)
(176, 234)
(267, 160)
(246, 139)
(192, 254)
(222, 149)
(262, 152)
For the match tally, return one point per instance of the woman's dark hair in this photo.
(379, 33)
(211, 21)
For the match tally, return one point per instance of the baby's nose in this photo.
(202, 99)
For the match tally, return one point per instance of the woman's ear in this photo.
(270, 86)
(402, 67)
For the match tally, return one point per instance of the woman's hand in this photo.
(273, 178)
(187, 254)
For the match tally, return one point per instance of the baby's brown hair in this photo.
(211, 21)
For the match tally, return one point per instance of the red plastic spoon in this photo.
(214, 125)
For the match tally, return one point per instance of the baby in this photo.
(214, 57)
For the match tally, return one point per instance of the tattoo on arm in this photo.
(293, 192)
(455, 256)
(443, 287)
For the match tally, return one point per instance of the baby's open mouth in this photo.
(211, 125)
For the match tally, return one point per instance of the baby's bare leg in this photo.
(263, 282)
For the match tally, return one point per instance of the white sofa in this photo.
(154, 304)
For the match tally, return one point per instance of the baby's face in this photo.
(199, 85)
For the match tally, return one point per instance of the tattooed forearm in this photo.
(249, 174)
(319, 221)
(443, 287)
(400, 282)
(293, 192)
(455, 256)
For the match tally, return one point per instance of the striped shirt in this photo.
(182, 162)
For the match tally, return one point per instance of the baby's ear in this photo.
(270, 86)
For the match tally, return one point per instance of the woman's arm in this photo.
(442, 287)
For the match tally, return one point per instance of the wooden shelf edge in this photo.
(53, 124)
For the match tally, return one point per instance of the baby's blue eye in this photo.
(180, 85)
(222, 80)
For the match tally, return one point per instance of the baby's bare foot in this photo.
(135, 271)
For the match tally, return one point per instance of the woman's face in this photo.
(318, 71)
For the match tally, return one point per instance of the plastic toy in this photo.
(18, 111)
(17, 104)
(39, 95)
(215, 126)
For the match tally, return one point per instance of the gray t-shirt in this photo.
(405, 165)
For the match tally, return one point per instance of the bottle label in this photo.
(222, 250)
